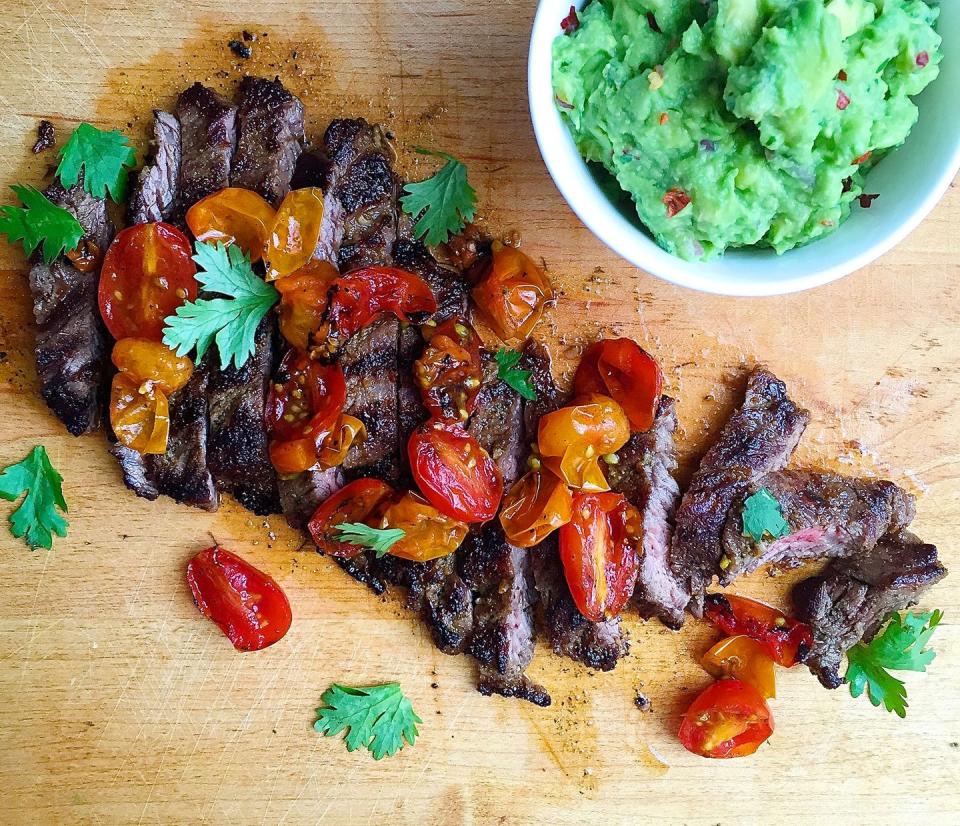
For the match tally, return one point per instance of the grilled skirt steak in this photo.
(270, 138)
(852, 598)
(155, 192)
(830, 516)
(758, 438)
(497, 423)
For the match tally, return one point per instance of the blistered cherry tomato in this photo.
(233, 216)
(147, 273)
(599, 552)
(449, 371)
(742, 658)
(729, 719)
(360, 501)
(512, 295)
(150, 361)
(303, 299)
(787, 640)
(456, 475)
(621, 369)
(334, 448)
(139, 414)
(295, 232)
(535, 507)
(428, 533)
(244, 602)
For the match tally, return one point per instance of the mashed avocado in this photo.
(737, 123)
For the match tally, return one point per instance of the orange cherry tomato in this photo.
(333, 449)
(449, 371)
(599, 552)
(295, 232)
(233, 216)
(572, 440)
(743, 658)
(150, 361)
(303, 299)
(139, 414)
(729, 719)
(512, 295)
(627, 373)
(788, 641)
(360, 501)
(147, 273)
(535, 507)
(428, 533)
(456, 475)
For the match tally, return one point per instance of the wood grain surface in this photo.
(119, 704)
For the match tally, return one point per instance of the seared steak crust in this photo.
(497, 423)
(302, 493)
(155, 192)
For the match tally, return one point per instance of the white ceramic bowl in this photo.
(911, 181)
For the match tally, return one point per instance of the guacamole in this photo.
(740, 123)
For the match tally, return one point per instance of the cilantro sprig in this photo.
(37, 519)
(763, 517)
(40, 221)
(104, 158)
(378, 718)
(901, 647)
(231, 321)
(441, 204)
(513, 376)
(381, 540)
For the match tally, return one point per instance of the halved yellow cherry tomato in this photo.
(233, 216)
(295, 232)
(333, 449)
(139, 414)
(512, 295)
(303, 298)
(428, 534)
(535, 507)
(743, 659)
(144, 360)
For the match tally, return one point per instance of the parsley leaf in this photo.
(444, 203)
(901, 647)
(36, 519)
(232, 321)
(510, 374)
(380, 539)
(40, 221)
(379, 718)
(104, 158)
(762, 517)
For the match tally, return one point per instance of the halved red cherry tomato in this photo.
(147, 273)
(742, 658)
(512, 295)
(787, 640)
(621, 369)
(139, 414)
(150, 361)
(599, 552)
(233, 216)
(729, 719)
(572, 439)
(428, 533)
(247, 604)
(359, 297)
(449, 371)
(335, 446)
(535, 507)
(295, 232)
(303, 299)
(360, 501)
(456, 475)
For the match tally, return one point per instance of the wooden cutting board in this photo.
(119, 704)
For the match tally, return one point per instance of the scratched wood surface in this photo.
(118, 704)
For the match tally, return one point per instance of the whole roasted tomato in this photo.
(787, 640)
(303, 300)
(233, 216)
(535, 507)
(743, 658)
(144, 360)
(244, 602)
(295, 232)
(599, 552)
(428, 533)
(139, 414)
(456, 475)
(449, 371)
(621, 369)
(360, 501)
(147, 273)
(729, 719)
(512, 294)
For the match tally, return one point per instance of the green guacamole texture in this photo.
(743, 123)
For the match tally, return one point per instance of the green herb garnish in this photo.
(381, 540)
(379, 718)
(510, 374)
(104, 157)
(442, 204)
(40, 221)
(37, 518)
(763, 517)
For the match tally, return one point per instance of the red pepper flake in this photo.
(842, 100)
(676, 201)
(923, 59)
(571, 22)
(664, 117)
(843, 75)
(864, 157)
(867, 200)
(652, 23)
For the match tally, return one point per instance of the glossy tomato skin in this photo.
(303, 300)
(147, 273)
(233, 216)
(512, 294)
(536, 506)
(449, 372)
(337, 443)
(428, 533)
(623, 370)
(139, 414)
(743, 658)
(729, 719)
(247, 604)
(599, 552)
(295, 232)
(360, 501)
(456, 475)
(787, 640)
(150, 361)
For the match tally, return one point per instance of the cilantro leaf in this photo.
(104, 158)
(442, 204)
(36, 519)
(901, 647)
(763, 517)
(380, 539)
(379, 718)
(40, 221)
(232, 321)
(510, 374)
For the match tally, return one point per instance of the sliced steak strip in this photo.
(498, 423)
(829, 515)
(644, 474)
(155, 192)
(270, 138)
(72, 345)
(852, 598)
(448, 285)
(302, 493)
(758, 438)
